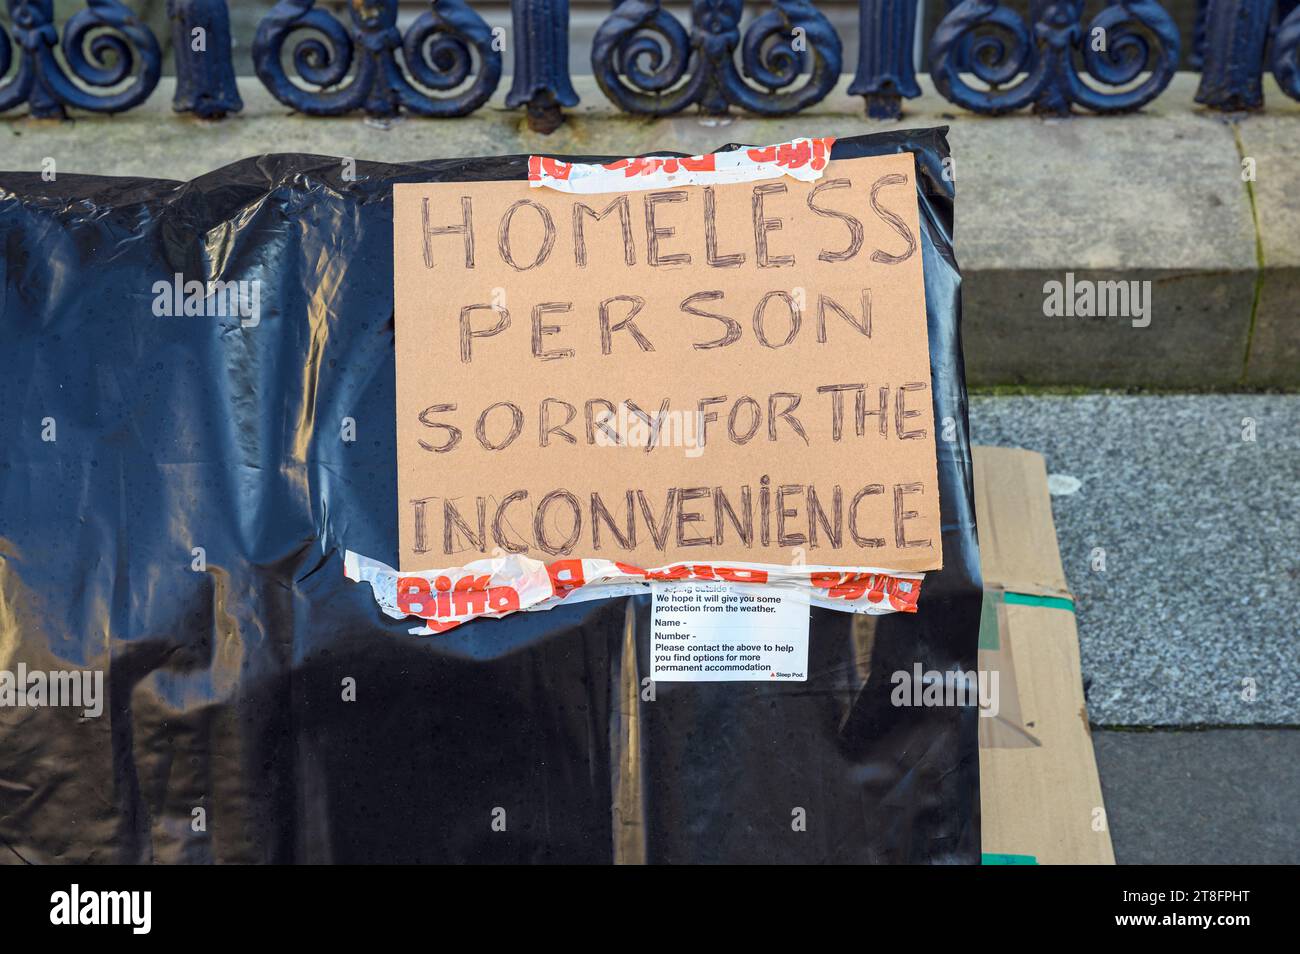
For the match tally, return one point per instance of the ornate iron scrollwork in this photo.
(1023, 65)
(438, 52)
(1286, 55)
(104, 46)
(647, 62)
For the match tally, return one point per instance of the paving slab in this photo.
(1180, 545)
(1219, 796)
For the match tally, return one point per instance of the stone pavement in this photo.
(1181, 545)
(1221, 796)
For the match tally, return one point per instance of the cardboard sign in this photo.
(734, 372)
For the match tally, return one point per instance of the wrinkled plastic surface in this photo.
(225, 685)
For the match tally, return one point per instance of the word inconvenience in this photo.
(791, 515)
(775, 329)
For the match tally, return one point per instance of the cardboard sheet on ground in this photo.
(1040, 797)
(724, 372)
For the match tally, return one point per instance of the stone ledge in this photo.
(1156, 196)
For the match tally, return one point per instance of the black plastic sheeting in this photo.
(225, 685)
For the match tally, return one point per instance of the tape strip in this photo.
(500, 585)
(991, 623)
(803, 159)
(989, 858)
(990, 632)
(1030, 599)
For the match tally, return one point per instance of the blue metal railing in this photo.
(1133, 42)
(437, 51)
(983, 56)
(104, 47)
(647, 62)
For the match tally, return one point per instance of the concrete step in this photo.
(1156, 197)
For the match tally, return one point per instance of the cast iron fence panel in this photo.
(437, 54)
(104, 46)
(791, 51)
(1286, 53)
(983, 56)
(1040, 64)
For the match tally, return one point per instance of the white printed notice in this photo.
(713, 632)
